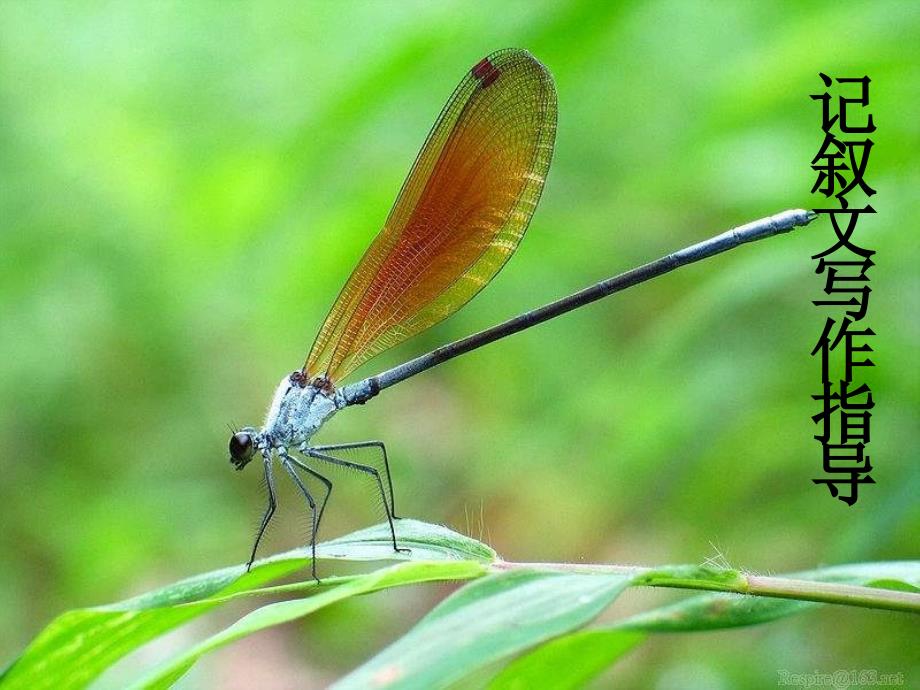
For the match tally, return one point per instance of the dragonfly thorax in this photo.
(297, 412)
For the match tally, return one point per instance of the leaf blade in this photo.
(77, 646)
(286, 611)
(487, 620)
(567, 662)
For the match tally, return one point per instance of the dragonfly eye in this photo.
(241, 449)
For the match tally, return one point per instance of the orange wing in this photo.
(459, 216)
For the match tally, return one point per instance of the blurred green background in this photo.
(185, 186)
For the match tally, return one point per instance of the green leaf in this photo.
(574, 659)
(286, 611)
(714, 612)
(900, 575)
(472, 632)
(487, 620)
(80, 644)
(427, 542)
(566, 662)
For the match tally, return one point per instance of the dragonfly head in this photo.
(242, 448)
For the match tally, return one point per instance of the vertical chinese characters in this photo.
(844, 418)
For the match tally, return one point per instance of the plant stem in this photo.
(833, 593)
(727, 580)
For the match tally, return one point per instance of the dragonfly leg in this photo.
(367, 469)
(325, 481)
(386, 463)
(269, 511)
(286, 461)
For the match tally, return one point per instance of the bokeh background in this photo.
(185, 186)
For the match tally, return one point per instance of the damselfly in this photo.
(459, 216)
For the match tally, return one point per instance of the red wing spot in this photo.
(486, 72)
(490, 77)
(482, 68)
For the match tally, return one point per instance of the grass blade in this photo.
(486, 621)
(287, 611)
(79, 645)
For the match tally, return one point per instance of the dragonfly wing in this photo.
(459, 216)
